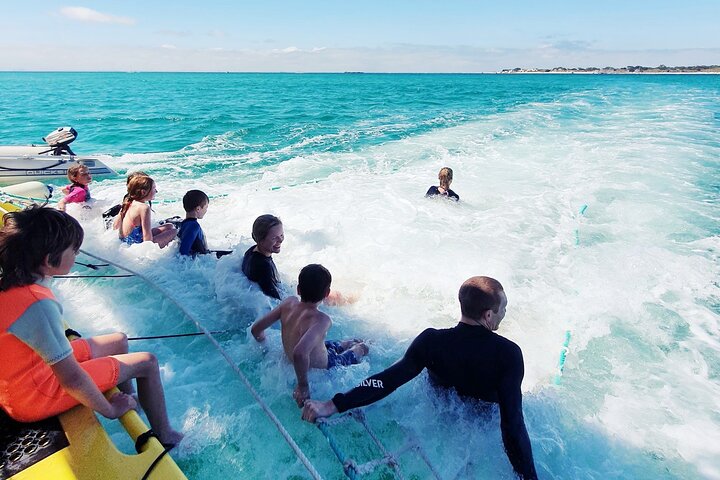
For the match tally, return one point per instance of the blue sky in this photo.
(369, 35)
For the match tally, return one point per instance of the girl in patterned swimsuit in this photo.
(135, 215)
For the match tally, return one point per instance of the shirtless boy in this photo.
(303, 328)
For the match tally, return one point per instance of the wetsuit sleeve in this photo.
(188, 235)
(431, 191)
(264, 274)
(200, 245)
(384, 383)
(512, 423)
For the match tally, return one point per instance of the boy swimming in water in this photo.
(304, 327)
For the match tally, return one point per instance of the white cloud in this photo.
(174, 33)
(297, 50)
(83, 14)
(168, 46)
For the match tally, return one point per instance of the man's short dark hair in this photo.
(313, 283)
(193, 199)
(28, 237)
(478, 295)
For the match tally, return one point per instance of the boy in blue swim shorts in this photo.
(304, 327)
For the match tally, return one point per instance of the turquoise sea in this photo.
(592, 198)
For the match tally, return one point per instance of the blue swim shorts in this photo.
(337, 356)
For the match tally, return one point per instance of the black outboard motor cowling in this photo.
(60, 139)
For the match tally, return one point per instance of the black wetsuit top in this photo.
(192, 238)
(432, 191)
(476, 363)
(261, 270)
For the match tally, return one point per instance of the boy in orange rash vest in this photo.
(41, 372)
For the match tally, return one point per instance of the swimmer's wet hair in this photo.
(193, 199)
(445, 176)
(74, 170)
(314, 283)
(262, 225)
(138, 187)
(138, 173)
(478, 295)
(31, 235)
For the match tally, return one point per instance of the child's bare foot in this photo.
(171, 438)
(346, 344)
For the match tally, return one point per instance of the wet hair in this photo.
(262, 225)
(445, 176)
(193, 199)
(132, 175)
(313, 283)
(138, 188)
(478, 295)
(28, 237)
(74, 170)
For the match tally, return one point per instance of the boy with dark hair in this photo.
(192, 238)
(303, 328)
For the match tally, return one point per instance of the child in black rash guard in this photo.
(257, 264)
(445, 176)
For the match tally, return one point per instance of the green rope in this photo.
(577, 232)
(563, 356)
(176, 200)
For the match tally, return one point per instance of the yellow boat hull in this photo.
(91, 454)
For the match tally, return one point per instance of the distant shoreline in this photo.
(630, 70)
(714, 70)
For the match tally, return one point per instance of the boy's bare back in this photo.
(299, 319)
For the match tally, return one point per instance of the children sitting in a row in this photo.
(303, 326)
(132, 217)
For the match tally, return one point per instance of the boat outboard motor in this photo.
(60, 139)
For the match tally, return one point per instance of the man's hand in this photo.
(315, 409)
(121, 403)
(300, 394)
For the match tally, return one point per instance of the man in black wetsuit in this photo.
(469, 357)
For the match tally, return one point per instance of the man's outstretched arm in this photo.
(373, 388)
